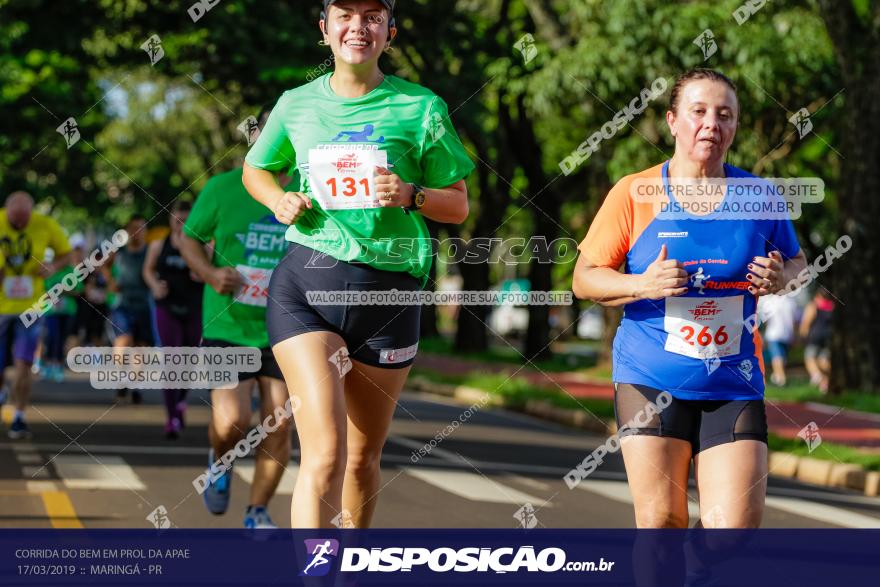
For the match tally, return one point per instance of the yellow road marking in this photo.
(60, 510)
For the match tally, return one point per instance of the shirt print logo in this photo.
(699, 279)
(16, 252)
(358, 136)
(745, 369)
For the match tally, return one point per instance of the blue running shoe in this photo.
(257, 518)
(19, 429)
(216, 495)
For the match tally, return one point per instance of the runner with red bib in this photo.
(693, 269)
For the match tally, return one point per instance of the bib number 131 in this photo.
(351, 187)
(343, 178)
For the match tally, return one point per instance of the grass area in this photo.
(599, 373)
(827, 451)
(516, 391)
(507, 355)
(802, 391)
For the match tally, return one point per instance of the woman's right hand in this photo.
(291, 206)
(664, 278)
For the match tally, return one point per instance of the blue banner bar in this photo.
(439, 557)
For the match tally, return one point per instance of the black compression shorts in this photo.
(379, 335)
(702, 423)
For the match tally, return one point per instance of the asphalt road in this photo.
(98, 462)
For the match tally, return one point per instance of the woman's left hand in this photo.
(391, 191)
(766, 274)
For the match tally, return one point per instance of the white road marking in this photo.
(29, 458)
(808, 509)
(473, 484)
(800, 495)
(416, 446)
(533, 483)
(34, 472)
(619, 491)
(41, 486)
(474, 487)
(245, 470)
(824, 513)
(108, 472)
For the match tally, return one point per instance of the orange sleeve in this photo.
(608, 240)
(620, 221)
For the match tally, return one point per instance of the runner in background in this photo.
(815, 330)
(24, 238)
(177, 305)
(59, 322)
(5, 349)
(369, 142)
(780, 317)
(130, 319)
(92, 309)
(248, 243)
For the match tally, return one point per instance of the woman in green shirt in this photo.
(364, 144)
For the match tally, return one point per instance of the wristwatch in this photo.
(418, 198)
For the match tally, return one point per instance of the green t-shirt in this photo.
(246, 236)
(66, 304)
(410, 123)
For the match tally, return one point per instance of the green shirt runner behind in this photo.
(410, 123)
(247, 237)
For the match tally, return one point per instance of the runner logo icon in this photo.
(700, 279)
(358, 136)
(321, 553)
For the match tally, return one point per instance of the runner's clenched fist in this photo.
(291, 206)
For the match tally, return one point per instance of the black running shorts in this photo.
(379, 335)
(703, 423)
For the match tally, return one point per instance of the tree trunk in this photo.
(537, 344)
(545, 200)
(471, 329)
(471, 335)
(855, 344)
(428, 326)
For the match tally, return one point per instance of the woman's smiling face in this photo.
(357, 30)
(705, 120)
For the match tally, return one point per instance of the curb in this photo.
(781, 464)
(537, 408)
(825, 473)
